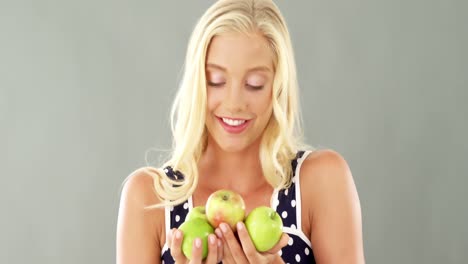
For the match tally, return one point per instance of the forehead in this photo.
(236, 51)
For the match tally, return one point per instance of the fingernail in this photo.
(198, 242)
(178, 235)
(212, 239)
(239, 226)
(223, 227)
(218, 233)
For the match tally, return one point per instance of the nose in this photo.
(235, 98)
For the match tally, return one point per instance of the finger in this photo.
(226, 253)
(176, 247)
(247, 245)
(169, 237)
(232, 243)
(196, 251)
(212, 250)
(281, 243)
(220, 250)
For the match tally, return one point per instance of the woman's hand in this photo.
(245, 252)
(215, 249)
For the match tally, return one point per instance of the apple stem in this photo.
(272, 214)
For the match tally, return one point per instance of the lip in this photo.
(234, 129)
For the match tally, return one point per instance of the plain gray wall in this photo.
(86, 86)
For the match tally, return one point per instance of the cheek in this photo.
(213, 99)
(262, 104)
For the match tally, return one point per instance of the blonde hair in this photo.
(283, 135)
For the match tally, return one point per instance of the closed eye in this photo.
(215, 84)
(255, 87)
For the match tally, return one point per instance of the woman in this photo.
(236, 126)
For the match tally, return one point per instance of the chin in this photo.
(232, 148)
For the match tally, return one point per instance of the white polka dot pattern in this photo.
(297, 250)
(298, 258)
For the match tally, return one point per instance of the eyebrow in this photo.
(257, 68)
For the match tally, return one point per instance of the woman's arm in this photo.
(139, 231)
(333, 207)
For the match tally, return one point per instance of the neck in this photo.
(240, 171)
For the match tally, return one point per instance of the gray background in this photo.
(86, 86)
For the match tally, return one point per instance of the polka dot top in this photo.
(287, 202)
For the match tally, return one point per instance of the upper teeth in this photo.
(233, 122)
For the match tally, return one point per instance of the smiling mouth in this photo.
(233, 122)
(233, 126)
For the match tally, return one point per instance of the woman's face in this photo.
(239, 74)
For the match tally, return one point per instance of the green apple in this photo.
(192, 229)
(265, 227)
(196, 212)
(225, 206)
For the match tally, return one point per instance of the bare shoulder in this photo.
(139, 187)
(324, 167)
(140, 232)
(333, 208)
(326, 174)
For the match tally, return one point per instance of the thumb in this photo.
(170, 234)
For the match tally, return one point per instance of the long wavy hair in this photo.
(282, 137)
